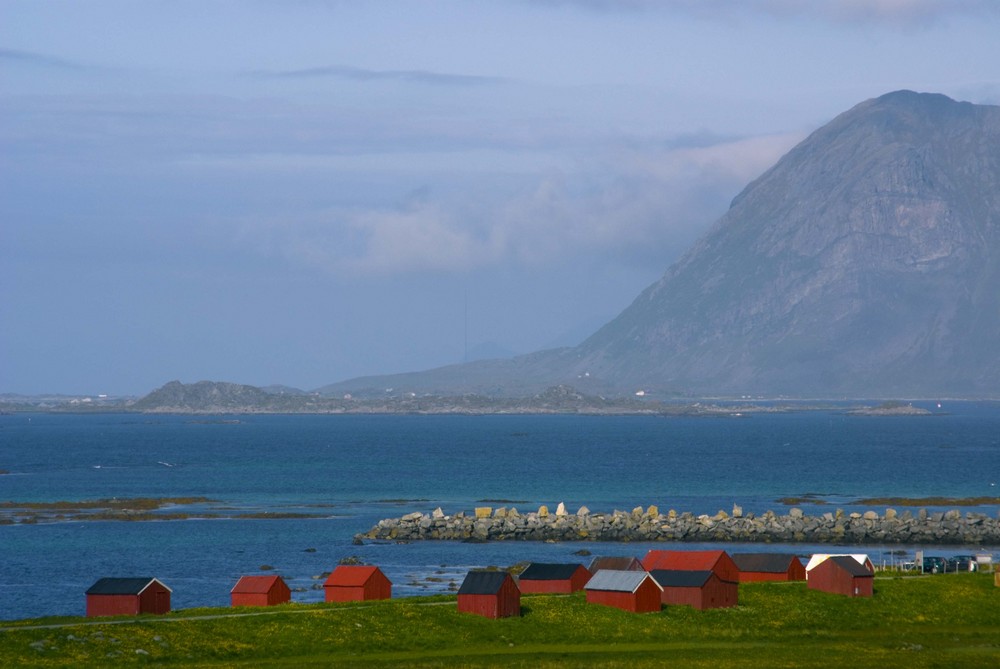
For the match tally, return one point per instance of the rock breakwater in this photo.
(508, 524)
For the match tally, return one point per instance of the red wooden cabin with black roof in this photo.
(127, 597)
(700, 589)
(492, 594)
(756, 567)
(842, 575)
(553, 578)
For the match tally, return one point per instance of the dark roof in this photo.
(772, 563)
(122, 586)
(850, 565)
(483, 582)
(680, 578)
(544, 571)
(615, 563)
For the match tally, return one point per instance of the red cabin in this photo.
(127, 597)
(817, 558)
(557, 578)
(492, 594)
(756, 567)
(633, 591)
(357, 583)
(716, 561)
(842, 575)
(260, 591)
(699, 589)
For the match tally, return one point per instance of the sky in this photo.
(306, 191)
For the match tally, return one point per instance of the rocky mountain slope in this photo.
(865, 262)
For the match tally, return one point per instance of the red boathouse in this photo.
(557, 578)
(756, 567)
(634, 591)
(716, 561)
(842, 575)
(127, 597)
(699, 589)
(356, 583)
(492, 594)
(260, 591)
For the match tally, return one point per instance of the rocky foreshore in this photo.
(508, 524)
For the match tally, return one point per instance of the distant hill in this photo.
(204, 396)
(866, 262)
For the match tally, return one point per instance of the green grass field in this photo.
(934, 621)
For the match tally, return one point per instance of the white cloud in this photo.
(631, 205)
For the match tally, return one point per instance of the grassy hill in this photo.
(933, 621)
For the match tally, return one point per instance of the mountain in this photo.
(865, 262)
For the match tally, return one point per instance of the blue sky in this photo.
(305, 191)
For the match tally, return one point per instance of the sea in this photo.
(346, 472)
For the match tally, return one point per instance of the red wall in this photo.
(561, 587)
(344, 593)
(761, 576)
(726, 569)
(278, 594)
(715, 594)
(574, 583)
(504, 604)
(153, 599)
(378, 586)
(646, 599)
(796, 572)
(112, 605)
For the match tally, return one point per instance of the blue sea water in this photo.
(353, 470)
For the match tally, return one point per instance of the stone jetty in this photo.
(508, 524)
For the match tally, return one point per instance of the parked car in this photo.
(962, 563)
(934, 565)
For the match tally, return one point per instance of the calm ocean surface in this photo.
(354, 470)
